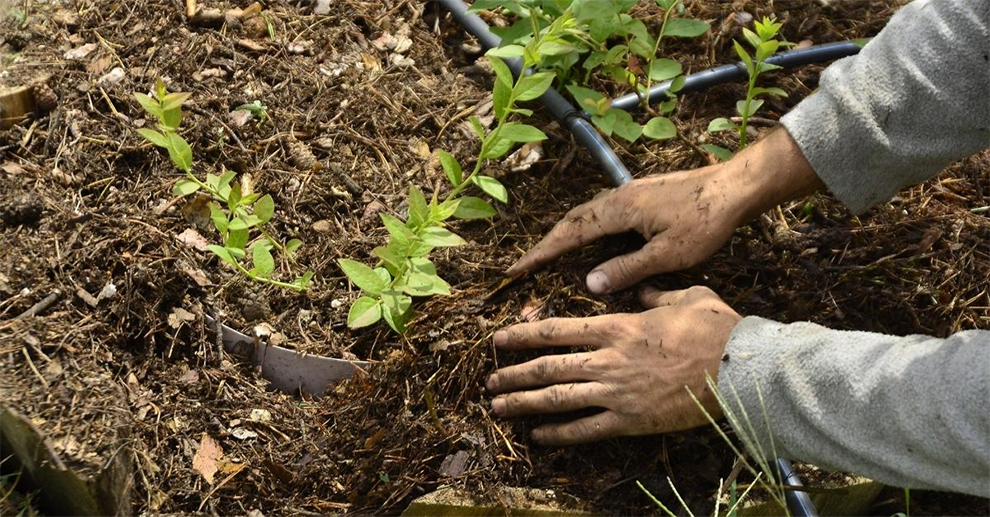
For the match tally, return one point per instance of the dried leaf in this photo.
(180, 316)
(206, 458)
(190, 237)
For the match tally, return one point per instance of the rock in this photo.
(21, 209)
(321, 7)
(323, 226)
(80, 52)
(112, 77)
(370, 215)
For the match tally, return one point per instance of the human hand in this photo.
(685, 216)
(640, 370)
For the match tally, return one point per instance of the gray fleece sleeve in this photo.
(907, 411)
(915, 98)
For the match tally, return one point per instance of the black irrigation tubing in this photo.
(798, 501)
(705, 79)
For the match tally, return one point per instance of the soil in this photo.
(85, 204)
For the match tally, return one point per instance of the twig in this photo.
(34, 369)
(190, 8)
(42, 305)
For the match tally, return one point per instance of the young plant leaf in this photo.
(477, 127)
(720, 152)
(364, 311)
(441, 237)
(292, 246)
(474, 208)
(685, 28)
(625, 127)
(721, 124)
(451, 168)
(180, 152)
(219, 218)
(302, 282)
(517, 132)
(501, 95)
(397, 229)
(362, 276)
(184, 187)
(445, 210)
(150, 105)
(498, 146)
(419, 211)
(531, 87)
(659, 128)
(264, 263)
(663, 69)
(492, 187)
(223, 253)
(507, 51)
(264, 208)
(174, 100)
(154, 137)
(754, 105)
(237, 239)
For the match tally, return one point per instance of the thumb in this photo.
(623, 271)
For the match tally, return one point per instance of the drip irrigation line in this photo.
(570, 117)
(576, 121)
(798, 501)
(705, 79)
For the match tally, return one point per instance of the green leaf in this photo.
(677, 84)
(171, 119)
(586, 98)
(424, 284)
(502, 73)
(219, 218)
(237, 239)
(517, 132)
(451, 168)
(531, 87)
(663, 69)
(393, 261)
(720, 152)
(605, 122)
(659, 128)
(492, 187)
(501, 95)
(445, 210)
(150, 105)
(160, 89)
(234, 199)
(292, 246)
(507, 51)
(776, 92)
(180, 152)
(362, 276)
(752, 38)
(154, 137)
(383, 274)
(667, 106)
(441, 237)
(625, 127)
(184, 187)
(556, 47)
(264, 264)
(223, 253)
(766, 49)
(743, 55)
(397, 229)
(174, 100)
(264, 208)
(685, 28)
(237, 253)
(754, 105)
(364, 311)
(477, 127)
(498, 146)
(721, 124)
(396, 308)
(419, 211)
(474, 208)
(303, 281)
(666, 5)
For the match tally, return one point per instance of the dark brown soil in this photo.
(84, 203)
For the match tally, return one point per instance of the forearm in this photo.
(909, 411)
(912, 101)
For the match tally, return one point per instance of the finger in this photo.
(582, 225)
(543, 371)
(550, 332)
(625, 270)
(558, 398)
(596, 427)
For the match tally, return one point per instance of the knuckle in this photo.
(555, 397)
(549, 330)
(543, 370)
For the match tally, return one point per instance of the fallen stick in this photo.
(41, 306)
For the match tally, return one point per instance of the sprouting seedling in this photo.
(239, 217)
(403, 270)
(257, 110)
(765, 44)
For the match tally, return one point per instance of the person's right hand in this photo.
(685, 216)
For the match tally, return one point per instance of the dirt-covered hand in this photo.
(685, 216)
(640, 370)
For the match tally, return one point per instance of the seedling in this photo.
(633, 62)
(257, 110)
(239, 217)
(765, 44)
(403, 270)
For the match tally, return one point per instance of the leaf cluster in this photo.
(764, 43)
(604, 37)
(238, 217)
(403, 271)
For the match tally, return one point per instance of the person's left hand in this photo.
(640, 370)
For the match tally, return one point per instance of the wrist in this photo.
(768, 173)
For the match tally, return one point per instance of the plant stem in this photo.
(644, 98)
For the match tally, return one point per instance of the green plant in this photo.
(605, 36)
(403, 270)
(239, 217)
(733, 503)
(765, 44)
(257, 110)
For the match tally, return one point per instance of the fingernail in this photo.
(498, 405)
(598, 283)
(500, 338)
(492, 382)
